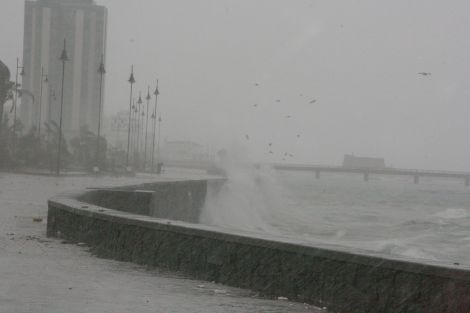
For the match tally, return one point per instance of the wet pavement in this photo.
(45, 275)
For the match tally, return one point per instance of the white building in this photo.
(47, 23)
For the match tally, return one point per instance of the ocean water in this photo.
(389, 215)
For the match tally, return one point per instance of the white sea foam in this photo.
(401, 247)
(248, 199)
(453, 213)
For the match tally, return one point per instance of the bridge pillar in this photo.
(416, 179)
(366, 176)
(317, 174)
(467, 181)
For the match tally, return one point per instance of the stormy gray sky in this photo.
(359, 59)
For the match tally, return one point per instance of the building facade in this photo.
(83, 25)
(352, 161)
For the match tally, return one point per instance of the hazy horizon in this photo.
(359, 60)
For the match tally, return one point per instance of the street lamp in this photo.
(158, 144)
(131, 81)
(142, 130)
(139, 102)
(64, 58)
(154, 117)
(146, 126)
(133, 110)
(52, 97)
(44, 79)
(102, 71)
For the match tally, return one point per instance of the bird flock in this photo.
(286, 155)
(270, 149)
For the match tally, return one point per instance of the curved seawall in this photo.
(156, 225)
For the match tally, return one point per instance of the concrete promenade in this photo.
(44, 275)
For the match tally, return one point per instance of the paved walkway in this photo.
(43, 275)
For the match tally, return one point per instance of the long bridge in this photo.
(416, 174)
(318, 169)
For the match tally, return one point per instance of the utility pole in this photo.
(63, 58)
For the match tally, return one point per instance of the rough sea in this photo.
(388, 214)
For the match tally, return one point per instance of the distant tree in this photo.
(116, 159)
(28, 150)
(84, 149)
(6, 94)
(6, 87)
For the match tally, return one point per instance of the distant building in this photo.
(46, 23)
(352, 161)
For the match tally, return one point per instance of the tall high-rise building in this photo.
(83, 25)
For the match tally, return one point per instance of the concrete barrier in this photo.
(344, 280)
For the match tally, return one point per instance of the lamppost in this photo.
(159, 164)
(154, 117)
(44, 79)
(133, 128)
(142, 131)
(131, 81)
(22, 73)
(49, 119)
(102, 71)
(63, 58)
(146, 126)
(139, 126)
(49, 106)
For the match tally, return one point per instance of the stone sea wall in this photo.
(343, 280)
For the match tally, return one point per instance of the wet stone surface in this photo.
(44, 275)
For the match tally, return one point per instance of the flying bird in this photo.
(255, 105)
(270, 152)
(424, 73)
(298, 136)
(313, 101)
(247, 137)
(270, 144)
(278, 100)
(288, 116)
(256, 84)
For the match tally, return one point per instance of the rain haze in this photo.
(358, 59)
(234, 156)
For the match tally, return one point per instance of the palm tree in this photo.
(6, 94)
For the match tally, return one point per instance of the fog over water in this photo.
(359, 60)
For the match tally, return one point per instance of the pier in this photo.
(366, 172)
